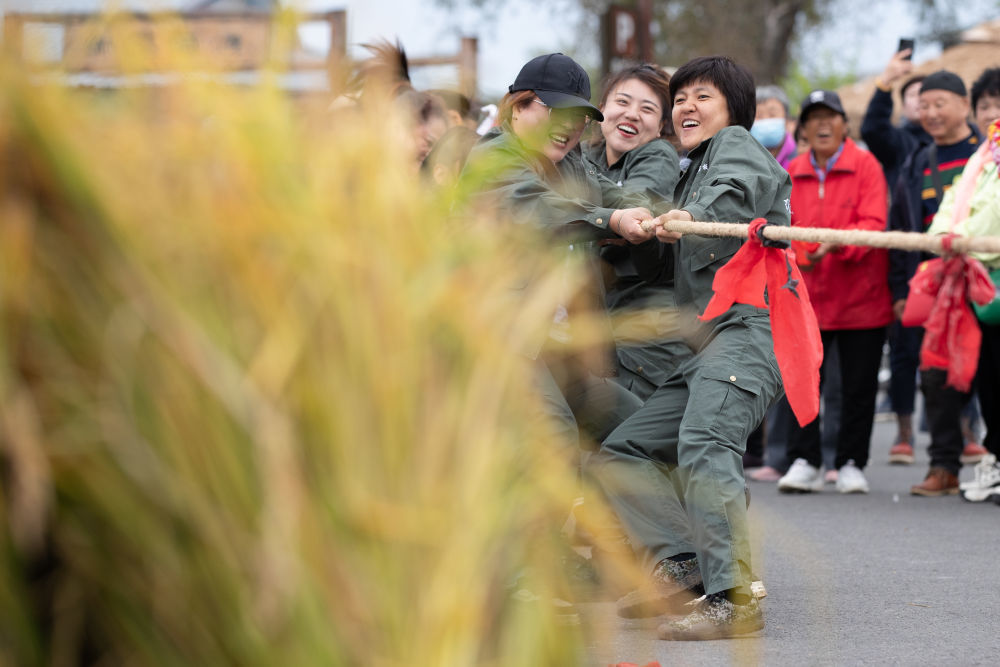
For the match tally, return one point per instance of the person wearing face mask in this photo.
(633, 151)
(771, 127)
(770, 124)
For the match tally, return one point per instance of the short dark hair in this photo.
(988, 83)
(733, 80)
(653, 76)
(909, 82)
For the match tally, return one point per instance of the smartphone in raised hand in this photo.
(906, 43)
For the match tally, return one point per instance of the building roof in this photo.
(978, 49)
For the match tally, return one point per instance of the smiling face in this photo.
(943, 115)
(553, 134)
(633, 116)
(911, 103)
(700, 111)
(824, 130)
(986, 112)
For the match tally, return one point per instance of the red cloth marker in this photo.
(797, 343)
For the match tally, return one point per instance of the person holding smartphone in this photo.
(889, 143)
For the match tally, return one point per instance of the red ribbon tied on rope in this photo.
(797, 344)
(951, 333)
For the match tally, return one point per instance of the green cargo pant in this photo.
(585, 409)
(673, 471)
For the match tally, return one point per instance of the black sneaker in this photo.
(672, 585)
(715, 617)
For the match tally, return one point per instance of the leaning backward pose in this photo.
(540, 178)
(673, 470)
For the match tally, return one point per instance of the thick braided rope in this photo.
(871, 239)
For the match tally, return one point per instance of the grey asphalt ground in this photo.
(879, 579)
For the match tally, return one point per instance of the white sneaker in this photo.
(985, 483)
(851, 479)
(801, 478)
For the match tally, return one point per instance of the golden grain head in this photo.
(263, 397)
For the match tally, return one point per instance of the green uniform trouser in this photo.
(673, 471)
(586, 405)
(641, 368)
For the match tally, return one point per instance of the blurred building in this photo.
(974, 50)
(70, 39)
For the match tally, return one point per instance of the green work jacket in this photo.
(536, 191)
(731, 178)
(571, 200)
(651, 169)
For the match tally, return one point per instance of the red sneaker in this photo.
(901, 453)
(973, 453)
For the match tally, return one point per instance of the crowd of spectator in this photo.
(679, 412)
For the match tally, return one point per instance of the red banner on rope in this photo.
(951, 333)
(797, 343)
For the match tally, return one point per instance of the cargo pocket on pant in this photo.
(740, 409)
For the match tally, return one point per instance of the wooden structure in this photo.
(240, 40)
(235, 41)
(626, 36)
(467, 61)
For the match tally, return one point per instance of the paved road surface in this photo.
(879, 579)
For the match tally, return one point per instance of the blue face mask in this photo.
(769, 131)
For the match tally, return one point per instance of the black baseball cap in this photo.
(821, 98)
(558, 81)
(944, 80)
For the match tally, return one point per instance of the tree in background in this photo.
(765, 35)
(759, 35)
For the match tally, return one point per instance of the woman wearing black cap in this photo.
(538, 177)
(673, 470)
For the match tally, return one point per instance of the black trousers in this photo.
(943, 406)
(988, 380)
(860, 352)
(904, 359)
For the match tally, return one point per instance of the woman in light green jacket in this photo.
(972, 208)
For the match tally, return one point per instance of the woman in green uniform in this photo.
(540, 178)
(634, 153)
(673, 470)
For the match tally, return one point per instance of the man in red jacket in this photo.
(837, 185)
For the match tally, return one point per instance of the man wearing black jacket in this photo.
(892, 144)
(923, 179)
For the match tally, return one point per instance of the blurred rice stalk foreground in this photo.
(260, 396)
